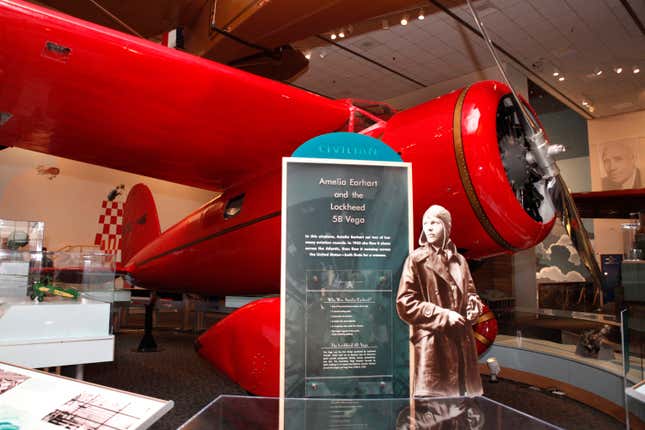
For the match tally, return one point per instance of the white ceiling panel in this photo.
(573, 36)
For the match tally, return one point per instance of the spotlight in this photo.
(618, 70)
(587, 105)
(636, 70)
(422, 15)
(561, 78)
(493, 367)
(404, 20)
(322, 54)
(333, 36)
(341, 33)
(308, 55)
(556, 73)
(597, 72)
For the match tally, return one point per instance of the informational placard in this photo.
(37, 400)
(346, 234)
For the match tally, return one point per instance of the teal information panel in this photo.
(346, 235)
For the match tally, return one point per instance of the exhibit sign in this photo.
(346, 232)
(31, 399)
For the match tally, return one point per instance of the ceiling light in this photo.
(556, 73)
(597, 72)
(561, 78)
(341, 33)
(422, 15)
(618, 70)
(308, 55)
(385, 24)
(333, 36)
(587, 103)
(404, 20)
(636, 69)
(322, 54)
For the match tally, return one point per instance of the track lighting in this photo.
(308, 55)
(597, 71)
(636, 70)
(385, 25)
(341, 33)
(556, 73)
(404, 20)
(561, 78)
(618, 70)
(333, 36)
(422, 15)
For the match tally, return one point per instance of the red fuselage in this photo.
(241, 255)
(81, 91)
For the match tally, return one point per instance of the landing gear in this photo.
(148, 343)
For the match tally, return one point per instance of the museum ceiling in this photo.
(595, 47)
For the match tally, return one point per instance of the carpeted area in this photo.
(175, 373)
(557, 410)
(178, 373)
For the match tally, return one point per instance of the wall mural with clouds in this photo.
(562, 278)
(558, 260)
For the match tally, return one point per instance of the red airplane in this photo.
(77, 90)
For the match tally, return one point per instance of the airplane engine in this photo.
(469, 154)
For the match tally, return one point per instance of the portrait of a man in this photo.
(438, 299)
(619, 162)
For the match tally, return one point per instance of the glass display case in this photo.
(70, 275)
(21, 235)
(236, 412)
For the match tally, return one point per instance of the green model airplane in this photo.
(41, 288)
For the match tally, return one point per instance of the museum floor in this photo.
(178, 373)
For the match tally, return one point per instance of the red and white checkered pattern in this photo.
(110, 226)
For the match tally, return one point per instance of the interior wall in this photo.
(70, 203)
(630, 127)
(576, 173)
(566, 127)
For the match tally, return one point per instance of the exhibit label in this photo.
(346, 233)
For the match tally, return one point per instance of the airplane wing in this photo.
(610, 204)
(80, 91)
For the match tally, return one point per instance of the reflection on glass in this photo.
(233, 413)
(49, 275)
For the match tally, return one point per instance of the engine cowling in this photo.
(455, 144)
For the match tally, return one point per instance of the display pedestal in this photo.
(237, 412)
(55, 332)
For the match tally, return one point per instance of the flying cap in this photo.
(442, 214)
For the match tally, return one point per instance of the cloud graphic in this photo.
(565, 241)
(553, 273)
